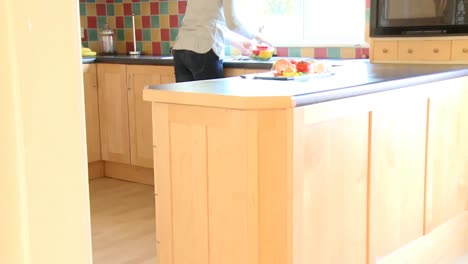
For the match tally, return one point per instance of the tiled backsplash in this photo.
(157, 24)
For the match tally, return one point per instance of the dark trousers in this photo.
(192, 66)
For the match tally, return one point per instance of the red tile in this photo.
(85, 38)
(367, 3)
(92, 22)
(119, 22)
(156, 48)
(154, 8)
(138, 34)
(320, 53)
(282, 52)
(82, 1)
(174, 21)
(101, 9)
(129, 46)
(109, 1)
(136, 1)
(365, 53)
(127, 9)
(165, 36)
(182, 7)
(146, 21)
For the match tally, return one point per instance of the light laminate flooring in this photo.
(122, 222)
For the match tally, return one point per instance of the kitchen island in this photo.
(369, 165)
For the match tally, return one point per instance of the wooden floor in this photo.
(122, 222)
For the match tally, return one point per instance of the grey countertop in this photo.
(350, 78)
(229, 61)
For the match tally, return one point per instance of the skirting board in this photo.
(129, 173)
(442, 245)
(96, 170)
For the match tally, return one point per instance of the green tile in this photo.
(294, 52)
(165, 48)
(227, 51)
(92, 35)
(146, 34)
(334, 53)
(117, 1)
(155, 22)
(90, 1)
(110, 10)
(173, 33)
(367, 16)
(84, 44)
(101, 21)
(139, 45)
(181, 18)
(163, 8)
(144, 0)
(82, 9)
(120, 35)
(128, 22)
(136, 8)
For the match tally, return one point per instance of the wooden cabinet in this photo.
(113, 112)
(141, 136)
(447, 172)
(344, 181)
(125, 118)
(93, 140)
(233, 72)
(419, 50)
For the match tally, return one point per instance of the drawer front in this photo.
(410, 50)
(385, 50)
(436, 50)
(460, 50)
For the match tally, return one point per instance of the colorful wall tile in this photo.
(157, 24)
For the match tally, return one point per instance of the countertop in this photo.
(228, 61)
(350, 78)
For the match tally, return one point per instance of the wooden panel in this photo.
(96, 170)
(397, 174)
(436, 50)
(113, 113)
(275, 186)
(129, 173)
(330, 191)
(385, 50)
(460, 50)
(410, 50)
(91, 100)
(442, 245)
(232, 72)
(141, 133)
(447, 171)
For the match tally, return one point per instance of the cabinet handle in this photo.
(410, 51)
(385, 51)
(465, 50)
(436, 50)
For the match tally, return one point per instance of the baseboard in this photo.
(96, 170)
(129, 173)
(442, 245)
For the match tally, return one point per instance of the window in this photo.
(309, 23)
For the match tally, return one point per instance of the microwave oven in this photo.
(418, 18)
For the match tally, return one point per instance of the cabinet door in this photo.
(113, 113)
(91, 112)
(397, 167)
(447, 154)
(141, 135)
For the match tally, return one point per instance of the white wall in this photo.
(44, 203)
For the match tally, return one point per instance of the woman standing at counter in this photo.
(199, 47)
